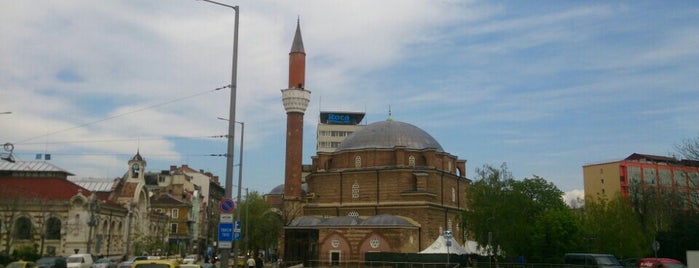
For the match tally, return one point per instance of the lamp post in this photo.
(240, 186)
(92, 206)
(231, 123)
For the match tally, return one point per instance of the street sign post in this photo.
(225, 235)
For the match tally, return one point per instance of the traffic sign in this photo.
(225, 234)
(226, 205)
(228, 218)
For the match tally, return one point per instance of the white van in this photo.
(80, 261)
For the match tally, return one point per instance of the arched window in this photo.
(355, 190)
(411, 161)
(357, 161)
(135, 170)
(53, 229)
(24, 228)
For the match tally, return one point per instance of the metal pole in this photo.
(240, 186)
(247, 206)
(231, 123)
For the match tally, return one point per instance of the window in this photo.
(174, 213)
(355, 190)
(374, 242)
(357, 161)
(411, 161)
(24, 228)
(353, 214)
(665, 177)
(335, 257)
(53, 229)
(134, 169)
(649, 176)
(173, 228)
(680, 179)
(453, 194)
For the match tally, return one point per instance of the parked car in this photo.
(82, 260)
(52, 262)
(591, 260)
(106, 263)
(21, 264)
(129, 262)
(192, 258)
(660, 263)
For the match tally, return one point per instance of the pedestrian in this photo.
(251, 262)
(259, 263)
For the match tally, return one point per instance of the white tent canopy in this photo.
(440, 246)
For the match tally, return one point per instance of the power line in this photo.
(123, 140)
(123, 114)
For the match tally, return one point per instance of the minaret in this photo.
(295, 99)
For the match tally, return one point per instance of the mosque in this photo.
(388, 187)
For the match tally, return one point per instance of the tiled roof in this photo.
(42, 187)
(40, 166)
(165, 199)
(129, 189)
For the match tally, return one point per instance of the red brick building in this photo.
(388, 187)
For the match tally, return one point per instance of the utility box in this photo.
(692, 258)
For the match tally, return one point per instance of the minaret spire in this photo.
(295, 99)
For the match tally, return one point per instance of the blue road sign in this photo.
(225, 232)
(236, 236)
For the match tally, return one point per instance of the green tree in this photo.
(261, 221)
(507, 214)
(556, 232)
(610, 226)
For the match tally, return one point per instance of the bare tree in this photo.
(689, 148)
(9, 209)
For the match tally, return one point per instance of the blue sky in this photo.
(543, 86)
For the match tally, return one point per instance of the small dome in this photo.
(305, 221)
(341, 221)
(389, 134)
(386, 220)
(277, 190)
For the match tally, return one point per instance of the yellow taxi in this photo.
(166, 263)
(21, 264)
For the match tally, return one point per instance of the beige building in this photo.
(41, 207)
(641, 173)
(334, 127)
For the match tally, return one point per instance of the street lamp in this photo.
(240, 186)
(231, 123)
(93, 206)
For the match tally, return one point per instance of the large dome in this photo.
(389, 134)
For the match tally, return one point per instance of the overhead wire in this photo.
(123, 114)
